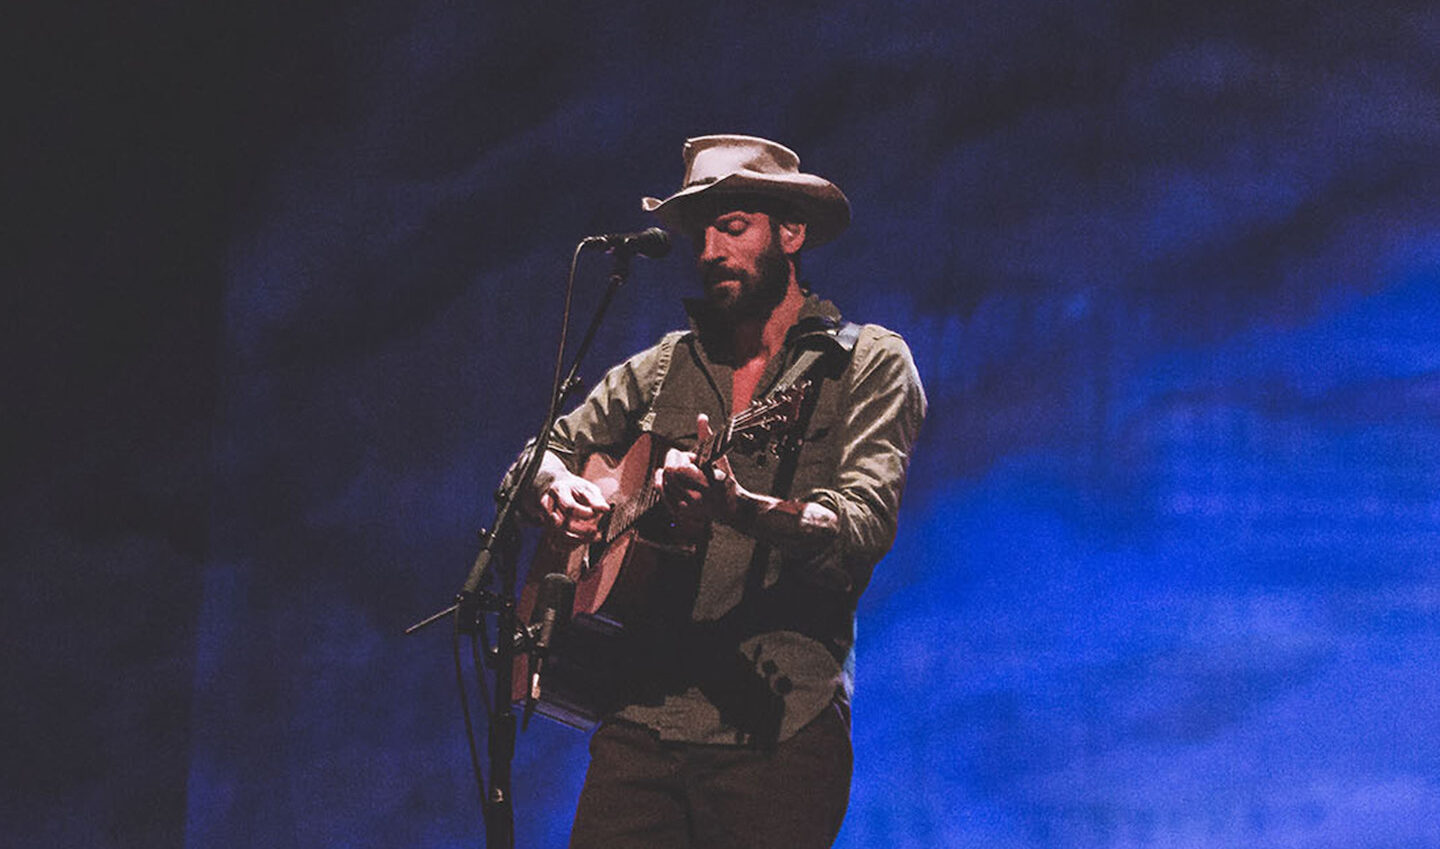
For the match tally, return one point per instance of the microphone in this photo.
(653, 242)
(554, 603)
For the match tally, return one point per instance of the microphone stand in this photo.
(498, 549)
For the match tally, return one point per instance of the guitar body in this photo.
(636, 574)
(614, 585)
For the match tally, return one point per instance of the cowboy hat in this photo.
(746, 165)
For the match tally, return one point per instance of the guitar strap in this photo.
(844, 336)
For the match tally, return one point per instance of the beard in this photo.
(759, 291)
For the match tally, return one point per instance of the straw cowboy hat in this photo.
(746, 165)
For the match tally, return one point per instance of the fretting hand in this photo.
(695, 497)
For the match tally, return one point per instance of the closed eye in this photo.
(733, 225)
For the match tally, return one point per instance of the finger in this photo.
(675, 458)
(580, 530)
(570, 505)
(722, 469)
(549, 509)
(592, 497)
(679, 489)
(702, 427)
(686, 496)
(683, 476)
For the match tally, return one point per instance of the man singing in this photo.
(735, 731)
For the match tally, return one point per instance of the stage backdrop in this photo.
(1167, 564)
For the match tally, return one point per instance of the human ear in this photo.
(792, 236)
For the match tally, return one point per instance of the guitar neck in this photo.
(762, 417)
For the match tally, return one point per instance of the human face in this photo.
(742, 266)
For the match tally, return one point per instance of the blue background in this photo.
(285, 286)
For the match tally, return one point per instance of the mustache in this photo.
(719, 273)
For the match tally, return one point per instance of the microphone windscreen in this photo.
(652, 242)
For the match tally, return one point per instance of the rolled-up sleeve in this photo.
(885, 406)
(607, 421)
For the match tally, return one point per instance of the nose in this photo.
(712, 251)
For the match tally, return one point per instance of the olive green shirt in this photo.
(754, 643)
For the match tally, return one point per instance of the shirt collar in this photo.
(816, 315)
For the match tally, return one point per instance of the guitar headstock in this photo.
(767, 417)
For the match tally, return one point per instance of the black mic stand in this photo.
(498, 552)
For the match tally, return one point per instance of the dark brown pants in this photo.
(640, 792)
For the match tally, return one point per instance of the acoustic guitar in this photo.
(617, 576)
